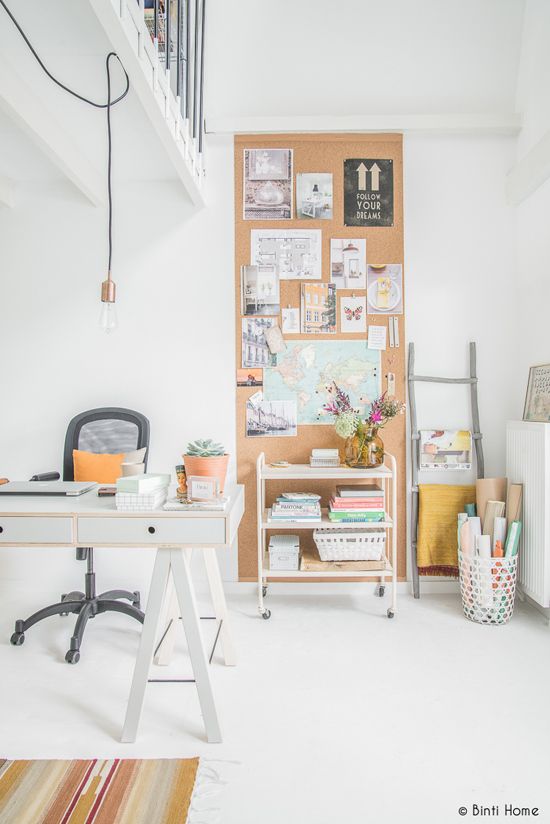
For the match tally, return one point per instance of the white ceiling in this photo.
(272, 58)
(72, 44)
(358, 57)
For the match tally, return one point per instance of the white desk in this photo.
(90, 521)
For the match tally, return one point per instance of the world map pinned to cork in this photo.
(306, 370)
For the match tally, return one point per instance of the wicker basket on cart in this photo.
(350, 544)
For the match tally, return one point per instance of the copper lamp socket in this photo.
(108, 291)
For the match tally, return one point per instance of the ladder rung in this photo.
(426, 379)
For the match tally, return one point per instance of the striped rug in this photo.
(121, 791)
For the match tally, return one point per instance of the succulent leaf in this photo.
(205, 448)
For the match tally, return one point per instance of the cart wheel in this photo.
(17, 639)
(380, 590)
(264, 591)
(266, 614)
(390, 612)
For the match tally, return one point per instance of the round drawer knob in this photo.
(151, 529)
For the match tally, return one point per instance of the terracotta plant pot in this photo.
(214, 467)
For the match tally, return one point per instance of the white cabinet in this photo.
(528, 463)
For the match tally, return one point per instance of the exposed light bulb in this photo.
(108, 318)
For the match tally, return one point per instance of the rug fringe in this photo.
(208, 785)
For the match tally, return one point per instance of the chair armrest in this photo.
(46, 476)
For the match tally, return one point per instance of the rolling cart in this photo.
(387, 473)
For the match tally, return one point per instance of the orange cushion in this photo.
(102, 468)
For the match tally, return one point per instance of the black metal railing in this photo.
(178, 29)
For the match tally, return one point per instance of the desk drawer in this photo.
(21, 529)
(154, 531)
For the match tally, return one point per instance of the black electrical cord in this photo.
(106, 105)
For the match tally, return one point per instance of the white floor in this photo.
(334, 713)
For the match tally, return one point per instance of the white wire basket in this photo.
(350, 545)
(488, 588)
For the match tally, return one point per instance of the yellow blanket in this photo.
(439, 505)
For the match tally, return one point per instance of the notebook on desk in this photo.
(68, 488)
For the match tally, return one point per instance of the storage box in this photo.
(284, 552)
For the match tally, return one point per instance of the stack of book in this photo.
(324, 457)
(296, 507)
(363, 503)
(141, 493)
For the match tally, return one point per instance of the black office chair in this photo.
(100, 430)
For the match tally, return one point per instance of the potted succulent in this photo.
(207, 459)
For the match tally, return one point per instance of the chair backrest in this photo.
(111, 429)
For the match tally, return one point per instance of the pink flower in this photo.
(375, 416)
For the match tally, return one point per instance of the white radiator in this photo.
(528, 463)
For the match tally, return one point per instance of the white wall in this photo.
(172, 357)
(533, 282)
(460, 258)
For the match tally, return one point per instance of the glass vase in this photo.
(365, 449)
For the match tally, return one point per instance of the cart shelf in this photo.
(324, 523)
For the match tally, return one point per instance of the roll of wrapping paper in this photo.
(462, 519)
(489, 489)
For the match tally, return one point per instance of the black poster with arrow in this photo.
(368, 192)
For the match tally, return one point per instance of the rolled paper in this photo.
(489, 489)
(483, 546)
(462, 518)
(499, 532)
(466, 538)
(475, 530)
(470, 510)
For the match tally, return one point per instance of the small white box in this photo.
(284, 552)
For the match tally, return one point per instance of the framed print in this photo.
(201, 488)
(537, 399)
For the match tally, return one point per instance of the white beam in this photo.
(504, 124)
(28, 111)
(7, 192)
(130, 39)
(530, 172)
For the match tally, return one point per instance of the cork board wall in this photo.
(318, 153)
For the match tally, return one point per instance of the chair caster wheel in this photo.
(264, 591)
(72, 657)
(266, 614)
(17, 639)
(137, 600)
(390, 612)
(380, 590)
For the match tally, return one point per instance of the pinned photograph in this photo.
(294, 254)
(272, 419)
(385, 288)
(445, 449)
(267, 184)
(250, 377)
(291, 321)
(314, 196)
(255, 351)
(353, 315)
(259, 291)
(348, 263)
(318, 313)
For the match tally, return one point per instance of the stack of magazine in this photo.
(363, 503)
(296, 507)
